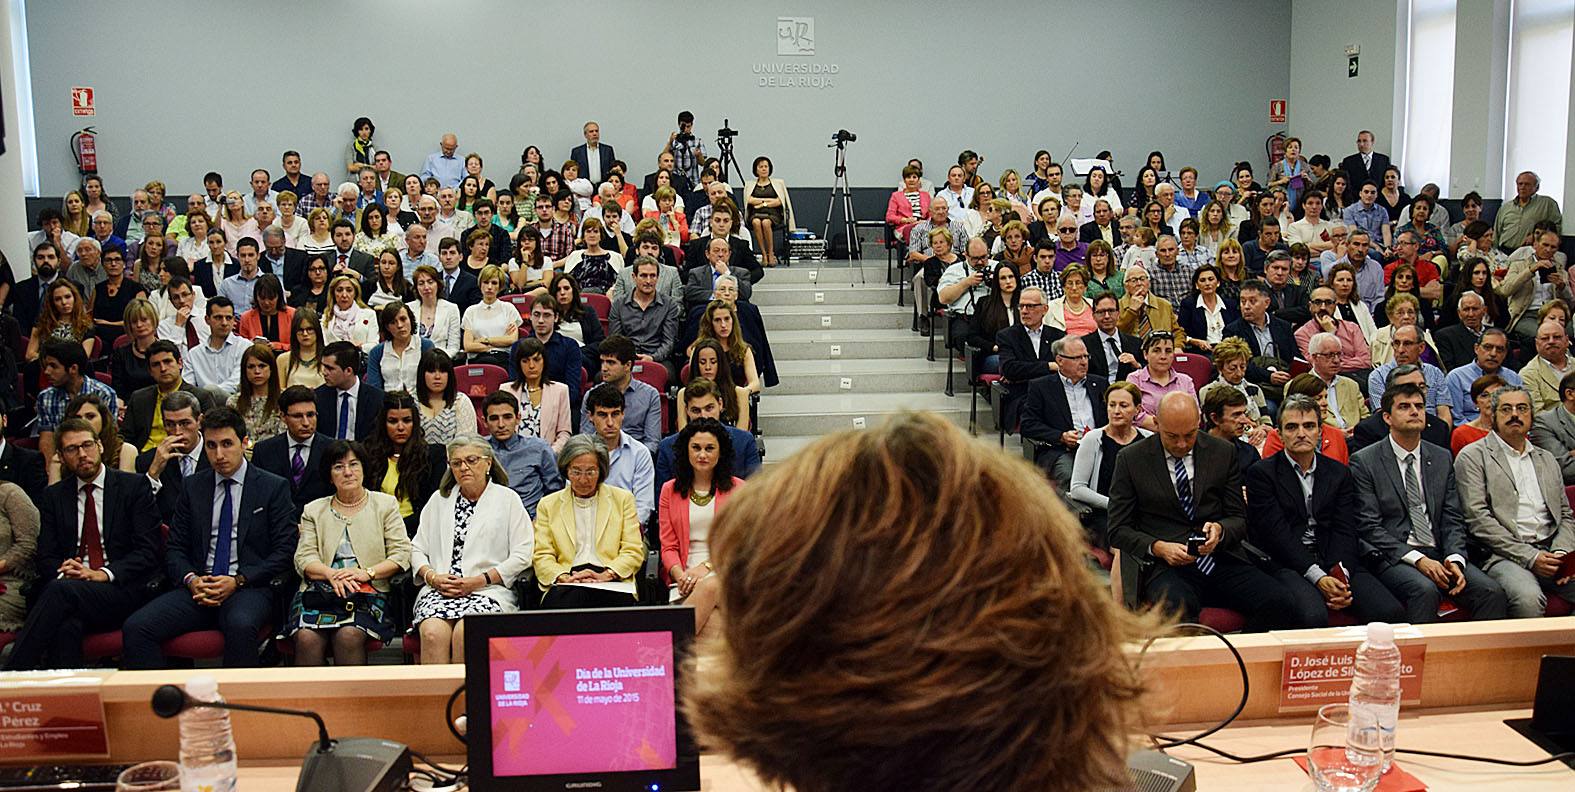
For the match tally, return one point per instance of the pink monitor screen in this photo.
(564, 704)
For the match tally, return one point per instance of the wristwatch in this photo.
(240, 581)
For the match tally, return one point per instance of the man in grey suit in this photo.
(1409, 521)
(1513, 497)
(701, 281)
(1174, 484)
(1554, 430)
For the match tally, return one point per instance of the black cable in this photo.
(448, 715)
(1162, 742)
(451, 773)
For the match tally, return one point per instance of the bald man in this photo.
(1180, 484)
(443, 164)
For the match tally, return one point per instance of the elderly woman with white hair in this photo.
(588, 542)
(474, 540)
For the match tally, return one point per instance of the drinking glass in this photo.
(149, 777)
(1343, 755)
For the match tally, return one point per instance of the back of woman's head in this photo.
(865, 645)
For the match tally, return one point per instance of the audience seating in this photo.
(603, 307)
(655, 375)
(522, 303)
(1198, 367)
(478, 380)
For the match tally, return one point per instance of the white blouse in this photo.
(485, 320)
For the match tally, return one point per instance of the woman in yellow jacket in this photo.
(588, 542)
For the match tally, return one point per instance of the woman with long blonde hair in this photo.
(720, 324)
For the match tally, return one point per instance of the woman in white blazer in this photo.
(770, 209)
(475, 539)
(1095, 459)
(437, 319)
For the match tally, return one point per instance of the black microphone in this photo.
(170, 700)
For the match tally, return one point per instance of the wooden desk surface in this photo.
(1479, 732)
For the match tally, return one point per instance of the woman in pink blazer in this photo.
(702, 481)
(899, 210)
(544, 404)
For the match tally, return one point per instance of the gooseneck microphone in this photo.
(353, 764)
(170, 700)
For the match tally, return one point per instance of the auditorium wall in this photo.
(184, 86)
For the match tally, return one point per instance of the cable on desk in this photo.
(1162, 742)
(448, 715)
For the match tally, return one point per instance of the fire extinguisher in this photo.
(84, 148)
(1275, 147)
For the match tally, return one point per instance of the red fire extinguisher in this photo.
(84, 148)
(1275, 147)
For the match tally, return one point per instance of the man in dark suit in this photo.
(344, 258)
(1301, 515)
(1373, 428)
(297, 455)
(23, 467)
(1025, 350)
(178, 455)
(1059, 410)
(666, 162)
(349, 405)
(1363, 166)
(1271, 339)
(98, 549)
(1457, 343)
(1104, 228)
(1178, 484)
(1109, 349)
(1287, 301)
(286, 262)
(593, 147)
(164, 363)
(460, 287)
(700, 282)
(49, 262)
(229, 546)
(1410, 523)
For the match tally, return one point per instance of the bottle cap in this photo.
(202, 688)
(1378, 634)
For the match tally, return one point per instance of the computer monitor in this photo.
(579, 699)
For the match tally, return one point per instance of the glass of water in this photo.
(1343, 756)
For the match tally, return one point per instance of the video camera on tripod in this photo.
(842, 137)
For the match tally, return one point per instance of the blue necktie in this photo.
(221, 543)
(344, 417)
(1184, 494)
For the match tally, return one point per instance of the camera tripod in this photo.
(843, 194)
(724, 153)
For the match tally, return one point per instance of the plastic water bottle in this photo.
(1375, 691)
(207, 746)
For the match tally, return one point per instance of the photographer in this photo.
(1530, 269)
(687, 148)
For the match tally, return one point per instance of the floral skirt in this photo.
(366, 612)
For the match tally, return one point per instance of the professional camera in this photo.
(726, 131)
(684, 138)
(844, 136)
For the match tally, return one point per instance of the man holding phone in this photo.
(1301, 517)
(1513, 496)
(1178, 484)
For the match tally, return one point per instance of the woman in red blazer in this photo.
(268, 306)
(703, 481)
(899, 210)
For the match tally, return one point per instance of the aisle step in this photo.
(822, 294)
(863, 316)
(896, 343)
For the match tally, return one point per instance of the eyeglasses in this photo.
(1023, 306)
(580, 473)
(1083, 356)
(1516, 409)
(1103, 311)
(79, 447)
(1323, 301)
(1326, 355)
(347, 466)
(465, 462)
